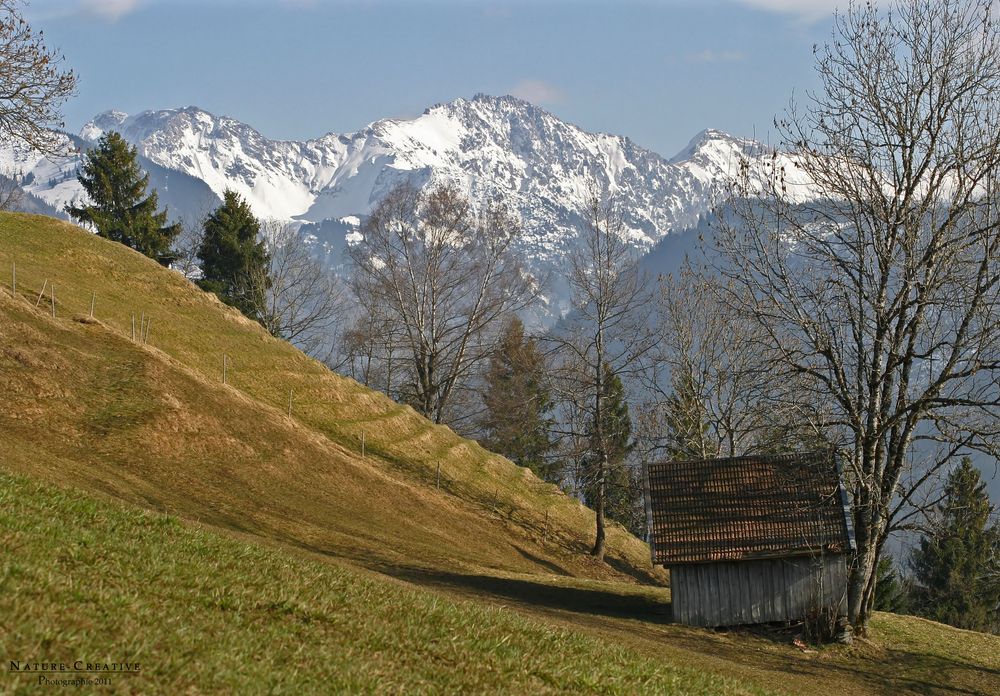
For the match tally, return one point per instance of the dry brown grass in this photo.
(154, 425)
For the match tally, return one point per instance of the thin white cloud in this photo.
(537, 92)
(111, 10)
(710, 56)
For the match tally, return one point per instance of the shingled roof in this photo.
(746, 507)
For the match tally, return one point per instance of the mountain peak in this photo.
(502, 99)
(491, 102)
(499, 146)
(102, 123)
(708, 138)
(491, 147)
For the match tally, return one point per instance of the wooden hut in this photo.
(750, 539)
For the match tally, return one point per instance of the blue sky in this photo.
(656, 71)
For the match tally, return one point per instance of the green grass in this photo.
(204, 613)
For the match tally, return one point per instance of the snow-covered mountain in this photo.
(491, 147)
(52, 180)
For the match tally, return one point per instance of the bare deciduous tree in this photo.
(32, 84)
(607, 332)
(885, 298)
(370, 346)
(301, 301)
(187, 243)
(712, 388)
(443, 276)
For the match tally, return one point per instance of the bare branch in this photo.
(33, 84)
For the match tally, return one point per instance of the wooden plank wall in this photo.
(733, 593)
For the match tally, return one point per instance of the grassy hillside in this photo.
(281, 560)
(155, 425)
(201, 613)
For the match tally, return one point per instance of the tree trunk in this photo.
(602, 456)
(599, 543)
(877, 541)
(859, 583)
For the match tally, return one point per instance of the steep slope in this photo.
(154, 424)
(88, 414)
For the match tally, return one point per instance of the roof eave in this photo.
(828, 550)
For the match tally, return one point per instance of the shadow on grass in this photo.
(935, 674)
(548, 565)
(543, 595)
(639, 574)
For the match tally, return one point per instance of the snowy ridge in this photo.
(493, 148)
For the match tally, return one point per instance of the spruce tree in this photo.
(233, 258)
(518, 418)
(121, 208)
(892, 593)
(957, 565)
(622, 486)
(687, 432)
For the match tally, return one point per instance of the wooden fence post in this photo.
(42, 293)
(437, 478)
(225, 369)
(145, 337)
(362, 444)
(53, 295)
(13, 278)
(133, 327)
(93, 299)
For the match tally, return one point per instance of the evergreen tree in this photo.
(687, 431)
(121, 209)
(892, 593)
(957, 566)
(518, 403)
(623, 489)
(233, 258)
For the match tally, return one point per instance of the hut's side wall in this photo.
(746, 592)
